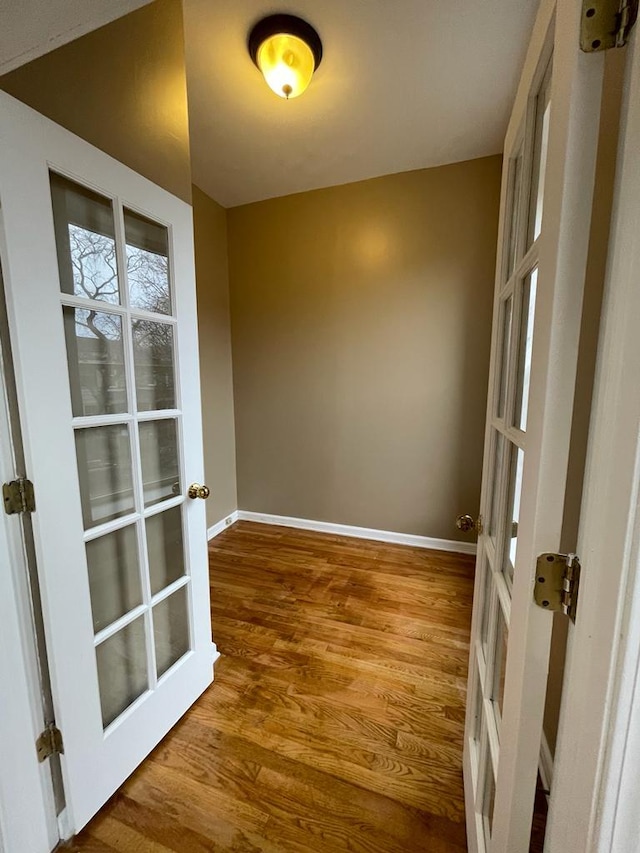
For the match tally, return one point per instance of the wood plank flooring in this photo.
(336, 718)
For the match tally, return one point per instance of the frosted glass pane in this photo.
(104, 470)
(507, 311)
(122, 670)
(114, 577)
(513, 512)
(159, 454)
(514, 208)
(165, 548)
(540, 146)
(488, 801)
(486, 607)
(95, 356)
(171, 629)
(147, 264)
(525, 349)
(495, 484)
(85, 241)
(153, 358)
(499, 667)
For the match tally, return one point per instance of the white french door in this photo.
(99, 274)
(547, 190)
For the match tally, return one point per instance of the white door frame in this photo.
(27, 807)
(594, 804)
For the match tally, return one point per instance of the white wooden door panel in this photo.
(96, 760)
(548, 177)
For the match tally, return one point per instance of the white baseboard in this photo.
(359, 532)
(221, 525)
(546, 763)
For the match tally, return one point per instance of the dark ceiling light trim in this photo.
(288, 24)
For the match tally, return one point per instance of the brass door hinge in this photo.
(19, 496)
(557, 583)
(49, 743)
(606, 23)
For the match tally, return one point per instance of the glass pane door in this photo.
(99, 268)
(507, 438)
(119, 327)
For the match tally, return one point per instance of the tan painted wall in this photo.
(122, 88)
(360, 324)
(210, 229)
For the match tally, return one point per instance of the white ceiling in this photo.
(403, 84)
(30, 28)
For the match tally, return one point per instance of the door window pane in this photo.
(486, 609)
(513, 517)
(114, 576)
(477, 710)
(514, 207)
(159, 455)
(153, 358)
(122, 669)
(171, 629)
(525, 349)
(495, 485)
(541, 142)
(85, 241)
(499, 664)
(95, 355)
(147, 264)
(104, 471)
(507, 311)
(165, 548)
(488, 801)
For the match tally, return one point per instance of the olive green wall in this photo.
(210, 230)
(361, 318)
(123, 88)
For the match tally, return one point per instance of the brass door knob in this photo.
(198, 491)
(467, 523)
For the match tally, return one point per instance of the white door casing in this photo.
(27, 808)
(594, 802)
(511, 745)
(96, 761)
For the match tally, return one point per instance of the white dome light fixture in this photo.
(287, 50)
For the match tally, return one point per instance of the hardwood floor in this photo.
(336, 718)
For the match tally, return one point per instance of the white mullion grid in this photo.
(119, 623)
(84, 302)
(70, 300)
(161, 506)
(136, 460)
(86, 421)
(154, 317)
(110, 526)
(170, 589)
(158, 415)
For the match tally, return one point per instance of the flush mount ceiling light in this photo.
(287, 50)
